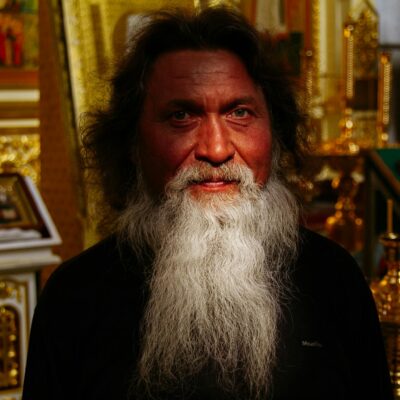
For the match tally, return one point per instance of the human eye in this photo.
(240, 113)
(180, 115)
(182, 119)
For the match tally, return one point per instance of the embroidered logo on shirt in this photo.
(306, 343)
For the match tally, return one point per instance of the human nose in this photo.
(214, 143)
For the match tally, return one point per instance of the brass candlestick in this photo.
(387, 298)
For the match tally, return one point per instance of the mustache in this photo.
(203, 171)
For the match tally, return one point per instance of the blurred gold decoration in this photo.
(10, 363)
(361, 72)
(384, 94)
(344, 226)
(10, 289)
(315, 38)
(348, 61)
(306, 183)
(308, 77)
(357, 126)
(312, 165)
(21, 153)
(387, 298)
(310, 66)
(311, 101)
(311, 97)
(366, 42)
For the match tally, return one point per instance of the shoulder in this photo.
(322, 256)
(327, 272)
(315, 245)
(88, 266)
(332, 305)
(331, 284)
(85, 320)
(90, 278)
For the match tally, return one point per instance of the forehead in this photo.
(217, 69)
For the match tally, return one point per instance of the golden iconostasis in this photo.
(333, 49)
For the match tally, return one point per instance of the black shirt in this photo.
(85, 333)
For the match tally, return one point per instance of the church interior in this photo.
(56, 59)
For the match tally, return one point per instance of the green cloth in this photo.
(391, 157)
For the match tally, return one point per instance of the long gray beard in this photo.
(217, 281)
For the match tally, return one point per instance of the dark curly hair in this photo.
(109, 136)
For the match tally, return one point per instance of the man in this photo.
(208, 288)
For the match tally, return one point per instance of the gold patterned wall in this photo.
(20, 151)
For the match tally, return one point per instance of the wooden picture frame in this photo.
(17, 208)
(25, 221)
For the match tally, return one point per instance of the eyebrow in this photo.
(246, 100)
(193, 105)
(187, 104)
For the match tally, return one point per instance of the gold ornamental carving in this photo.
(11, 335)
(10, 362)
(20, 153)
(10, 289)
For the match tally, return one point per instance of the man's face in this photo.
(202, 106)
